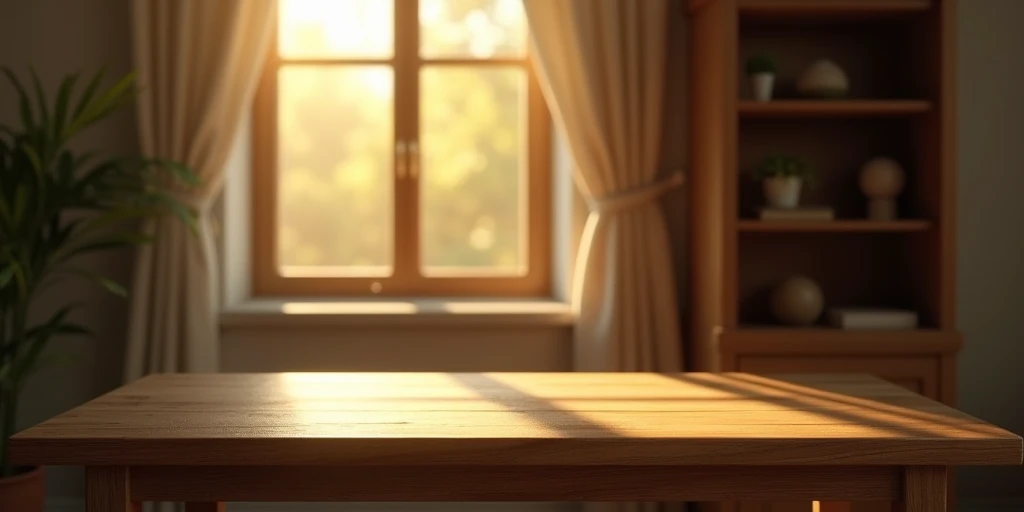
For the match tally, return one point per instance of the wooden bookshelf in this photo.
(899, 58)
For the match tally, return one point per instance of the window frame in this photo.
(406, 279)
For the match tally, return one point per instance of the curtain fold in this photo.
(601, 65)
(198, 62)
(602, 68)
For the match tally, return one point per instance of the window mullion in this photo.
(406, 206)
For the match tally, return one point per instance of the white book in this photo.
(872, 318)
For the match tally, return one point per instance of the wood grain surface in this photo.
(561, 419)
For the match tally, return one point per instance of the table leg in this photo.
(924, 489)
(212, 506)
(106, 490)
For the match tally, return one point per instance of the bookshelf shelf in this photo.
(784, 108)
(753, 340)
(833, 226)
(831, 10)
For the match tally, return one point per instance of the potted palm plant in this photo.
(57, 204)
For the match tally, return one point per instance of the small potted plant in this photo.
(761, 70)
(782, 178)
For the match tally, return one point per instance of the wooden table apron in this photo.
(525, 483)
(211, 438)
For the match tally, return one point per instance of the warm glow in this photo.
(349, 308)
(336, 140)
(336, 28)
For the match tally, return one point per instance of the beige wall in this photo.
(991, 222)
(55, 37)
(60, 35)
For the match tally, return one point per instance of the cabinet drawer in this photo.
(919, 374)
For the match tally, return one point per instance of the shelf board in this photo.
(834, 10)
(810, 341)
(834, 226)
(833, 108)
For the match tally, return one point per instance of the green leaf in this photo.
(112, 242)
(110, 285)
(65, 168)
(34, 158)
(44, 111)
(117, 215)
(86, 99)
(16, 269)
(49, 360)
(98, 172)
(36, 340)
(6, 215)
(184, 213)
(77, 329)
(120, 90)
(182, 173)
(112, 99)
(25, 105)
(60, 111)
(20, 203)
(6, 274)
(63, 234)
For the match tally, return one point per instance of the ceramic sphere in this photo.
(882, 178)
(823, 79)
(797, 301)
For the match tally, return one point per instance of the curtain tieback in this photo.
(635, 197)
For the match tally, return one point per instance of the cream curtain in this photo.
(198, 63)
(602, 66)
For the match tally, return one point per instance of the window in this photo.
(401, 148)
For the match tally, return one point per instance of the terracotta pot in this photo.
(23, 492)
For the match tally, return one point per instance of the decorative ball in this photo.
(797, 301)
(823, 79)
(882, 178)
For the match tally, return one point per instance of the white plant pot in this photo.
(782, 191)
(762, 84)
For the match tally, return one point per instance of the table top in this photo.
(513, 418)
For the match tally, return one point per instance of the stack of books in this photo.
(872, 318)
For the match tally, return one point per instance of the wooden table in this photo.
(211, 438)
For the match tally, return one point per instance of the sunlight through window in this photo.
(403, 164)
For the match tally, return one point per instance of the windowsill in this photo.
(444, 312)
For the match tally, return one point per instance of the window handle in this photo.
(414, 160)
(401, 162)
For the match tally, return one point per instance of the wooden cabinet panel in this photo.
(919, 374)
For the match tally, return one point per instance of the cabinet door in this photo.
(919, 374)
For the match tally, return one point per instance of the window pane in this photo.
(335, 155)
(472, 188)
(313, 29)
(472, 28)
